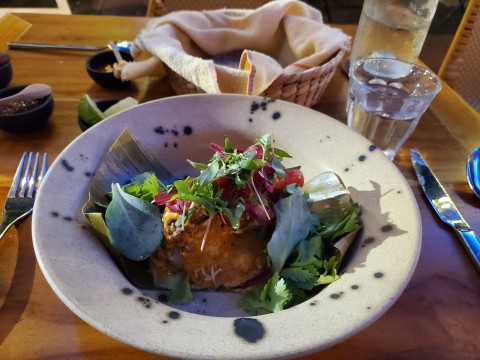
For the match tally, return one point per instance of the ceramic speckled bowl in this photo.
(212, 326)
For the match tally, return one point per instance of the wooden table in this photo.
(437, 317)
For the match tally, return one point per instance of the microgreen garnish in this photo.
(216, 189)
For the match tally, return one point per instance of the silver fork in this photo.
(22, 193)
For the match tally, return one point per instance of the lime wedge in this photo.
(332, 200)
(123, 104)
(88, 111)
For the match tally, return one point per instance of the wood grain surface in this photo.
(437, 316)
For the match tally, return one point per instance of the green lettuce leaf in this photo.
(135, 225)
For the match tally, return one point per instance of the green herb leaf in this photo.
(197, 165)
(330, 271)
(251, 164)
(281, 153)
(234, 216)
(278, 167)
(273, 297)
(144, 186)
(303, 277)
(309, 251)
(181, 292)
(182, 187)
(135, 226)
(228, 145)
(208, 175)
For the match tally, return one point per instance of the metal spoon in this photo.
(121, 45)
(34, 91)
(473, 171)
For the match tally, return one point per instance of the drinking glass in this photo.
(387, 97)
(393, 28)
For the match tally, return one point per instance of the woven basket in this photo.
(303, 88)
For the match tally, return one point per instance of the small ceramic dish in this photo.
(29, 120)
(102, 105)
(6, 72)
(100, 68)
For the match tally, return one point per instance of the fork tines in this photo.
(27, 179)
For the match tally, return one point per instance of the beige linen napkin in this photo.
(281, 37)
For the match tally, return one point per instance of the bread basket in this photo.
(304, 88)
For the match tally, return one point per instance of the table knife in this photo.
(445, 208)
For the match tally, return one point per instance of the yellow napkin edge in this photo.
(12, 28)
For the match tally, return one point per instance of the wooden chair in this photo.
(162, 7)
(461, 67)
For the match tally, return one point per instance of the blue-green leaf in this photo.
(278, 167)
(293, 225)
(135, 225)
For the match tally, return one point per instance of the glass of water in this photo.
(393, 29)
(387, 97)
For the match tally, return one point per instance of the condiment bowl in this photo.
(29, 120)
(6, 73)
(100, 69)
(102, 105)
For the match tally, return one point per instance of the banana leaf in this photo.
(125, 159)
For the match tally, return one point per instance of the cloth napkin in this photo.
(281, 37)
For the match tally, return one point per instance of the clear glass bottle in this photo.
(393, 28)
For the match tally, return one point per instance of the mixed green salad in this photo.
(304, 221)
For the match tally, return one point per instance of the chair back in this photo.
(163, 7)
(461, 67)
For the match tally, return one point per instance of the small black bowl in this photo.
(97, 64)
(6, 74)
(102, 105)
(29, 120)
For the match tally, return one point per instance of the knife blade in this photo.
(445, 208)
